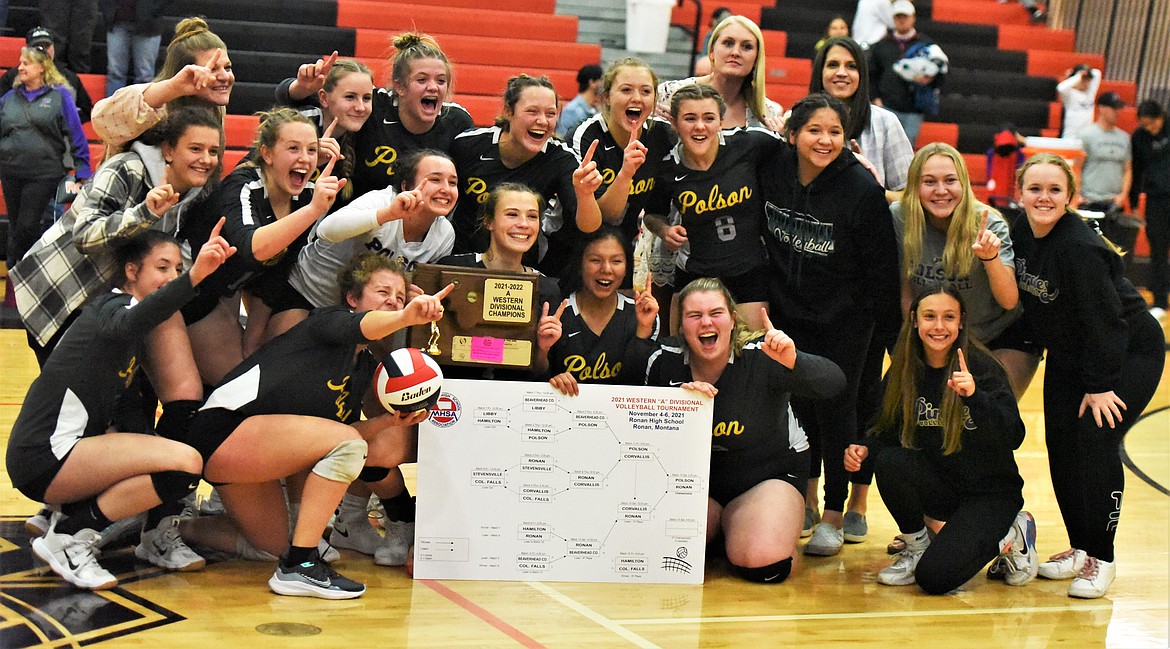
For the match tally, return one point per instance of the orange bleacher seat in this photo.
(1044, 63)
(90, 133)
(10, 51)
(231, 158)
(526, 6)
(786, 94)
(1024, 37)
(937, 132)
(794, 72)
(483, 109)
(95, 85)
(979, 12)
(775, 42)
(517, 53)
(1055, 113)
(976, 167)
(97, 151)
(684, 16)
(398, 17)
(240, 130)
(1127, 119)
(1127, 90)
(490, 80)
(3, 205)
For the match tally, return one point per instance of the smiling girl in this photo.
(520, 148)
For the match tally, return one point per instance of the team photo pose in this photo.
(60, 451)
(942, 447)
(412, 113)
(511, 214)
(1105, 358)
(711, 180)
(305, 387)
(834, 263)
(196, 71)
(633, 144)
(759, 457)
(520, 148)
(606, 337)
(270, 204)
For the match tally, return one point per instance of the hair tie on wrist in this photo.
(992, 258)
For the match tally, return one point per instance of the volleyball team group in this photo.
(789, 250)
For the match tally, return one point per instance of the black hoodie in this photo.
(832, 248)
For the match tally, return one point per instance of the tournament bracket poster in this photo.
(518, 482)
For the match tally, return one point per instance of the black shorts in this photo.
(730, 480)
(751, 286)
(1017, 337)
(200, 307)
(31, 473)
(278, 295)
(211, 428)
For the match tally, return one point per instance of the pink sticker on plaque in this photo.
(487, 349)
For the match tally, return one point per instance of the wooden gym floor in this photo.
(827, 601)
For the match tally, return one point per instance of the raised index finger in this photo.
(767, 321)
(218, 226)
(982, 225)
(561, 309)
(213, 62)
(446, 291)
(589, 154)
(328, 170)
(329, 131)
(962, 362)
(327, 64)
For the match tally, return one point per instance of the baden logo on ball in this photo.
(408, 380)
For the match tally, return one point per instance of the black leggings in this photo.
(975, 522)
(831, 424)
(1085, 461)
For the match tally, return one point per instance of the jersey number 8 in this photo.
(725, 228)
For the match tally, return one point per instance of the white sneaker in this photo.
(1019, 551)
(248, 552)
(396, 545)
(826, 541)
(38, 523)
(1159, 313)
(163, 547)
(1065, 565)
(1094, 579)
(355, 533)
(901, 572)
(121, 529)
(73, 556)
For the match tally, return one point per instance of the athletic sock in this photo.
(298, 555)
(352, 507)
(400, 507)
(85, 514)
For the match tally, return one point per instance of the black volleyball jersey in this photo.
(383, 141)
(658, 138)
(722, 208)
(243, 200)
(94, 362)
(309, 370)
(615, 357)
(751, 408)
(477, 160)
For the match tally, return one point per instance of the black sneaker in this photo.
(314, 578)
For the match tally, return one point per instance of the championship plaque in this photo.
(489, 319)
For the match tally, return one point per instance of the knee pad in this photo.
(175, 419)
(172, 486)
(771, 574)
(344, 463)
(373, 474)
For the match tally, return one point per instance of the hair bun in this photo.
(407, 40)
(190, 26)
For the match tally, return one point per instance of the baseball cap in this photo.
(39, 36)
(903, 7)
(1110, 99)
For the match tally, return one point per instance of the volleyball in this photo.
(408, 380)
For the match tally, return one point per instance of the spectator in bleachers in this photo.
(42, 39)
(197, 71)
(1151, 176)
(132, 40)
(413, 113)
(39, 131)
(585, 104)
(1037, 11)
(72, 23)
(907, 69)
(703, 63)
(872, 21)
(840, 69)
(1078, 92)
(1108, 170)
(837, 27)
